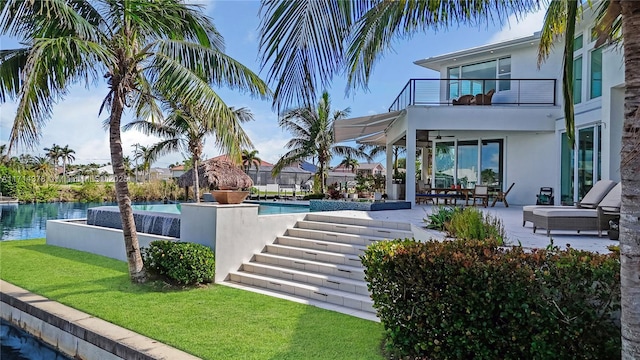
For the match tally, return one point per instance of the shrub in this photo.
(313, 197)
(472, 224)
(440, 217)
(475, 300)
(180, 262)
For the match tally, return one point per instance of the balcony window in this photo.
(479, 78)
(577, 80)
(595, 84)
(577, 43)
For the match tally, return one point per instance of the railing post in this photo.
(554, 92)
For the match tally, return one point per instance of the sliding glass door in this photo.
(580, 168)
(469, 162)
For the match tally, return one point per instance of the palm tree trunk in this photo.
(196, 180)
(64, 170)
(132, 247)
(630, 173)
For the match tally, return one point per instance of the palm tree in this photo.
(313, 136)
(349, 163)
(42, 166)
(355, 34)
(4, 156)
(143, 49)
(249, 159)
(143, 154)
(66, 154)
(54, 153)
(182, 130)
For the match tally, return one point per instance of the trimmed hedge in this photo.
(184, 263)
(474, 300)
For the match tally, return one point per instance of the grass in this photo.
(214, 322)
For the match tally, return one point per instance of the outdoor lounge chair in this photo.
(502, 196)
(609, 208)
(579, 219)
(590, 200)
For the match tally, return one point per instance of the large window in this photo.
(566, 173)
(479, 78)
(468, 163)
(595, 83)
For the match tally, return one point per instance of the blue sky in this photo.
(75, 121)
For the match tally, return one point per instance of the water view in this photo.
(28, 221)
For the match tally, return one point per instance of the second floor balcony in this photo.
(495, 92)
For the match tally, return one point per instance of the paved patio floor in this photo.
(512, 221)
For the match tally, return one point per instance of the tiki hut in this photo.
(216, 174)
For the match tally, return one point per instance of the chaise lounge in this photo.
(590, 200)
(579, 219)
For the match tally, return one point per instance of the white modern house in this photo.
(493, 117)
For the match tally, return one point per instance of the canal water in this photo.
(16, 344)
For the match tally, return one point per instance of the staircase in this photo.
(317, 262)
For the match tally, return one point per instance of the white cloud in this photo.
(514, 29)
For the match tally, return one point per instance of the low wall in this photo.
(148, 222)
(235, 232)
(77, 334)
(75, 234)
(333, 205)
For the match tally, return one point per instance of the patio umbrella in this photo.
(215, 173)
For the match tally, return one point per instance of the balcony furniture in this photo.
(502, 196)
(481, 192)
(464, 100)
(590, 200)
(579, 219)
(484, 99)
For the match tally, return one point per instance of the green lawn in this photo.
(216, 322)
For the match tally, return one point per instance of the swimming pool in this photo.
(263, 209)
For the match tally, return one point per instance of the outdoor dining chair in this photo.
(502, 196)
(481, 192)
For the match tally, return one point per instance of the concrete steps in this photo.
(318, 262)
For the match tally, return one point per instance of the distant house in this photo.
(366, 169)
(177, 171)
(160, 174)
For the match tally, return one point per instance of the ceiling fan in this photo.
(439, 137)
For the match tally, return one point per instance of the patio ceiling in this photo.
(364, 129)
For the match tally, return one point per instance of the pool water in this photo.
(28, 221)
(19, 345)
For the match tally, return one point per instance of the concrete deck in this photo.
(512, 221)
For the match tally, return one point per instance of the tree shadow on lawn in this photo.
(78, 256)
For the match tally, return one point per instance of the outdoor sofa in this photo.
(579, 219)
(590, 200)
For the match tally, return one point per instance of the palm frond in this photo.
(554, 26)
(608, 23)
(214, 66)
(567, 74)
(12, 62)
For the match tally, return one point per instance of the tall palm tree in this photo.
(54, 153)
(142, 48)
(66, 154)
(143, 154)
(183, 130)
(355, 34)
(251, 159)
(312, 130)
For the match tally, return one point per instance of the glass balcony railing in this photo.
(497, 92)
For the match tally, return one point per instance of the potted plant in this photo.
(614, 229)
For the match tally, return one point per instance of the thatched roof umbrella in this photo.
(217, 174)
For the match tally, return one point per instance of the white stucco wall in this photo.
(235, 232)
(94, 239)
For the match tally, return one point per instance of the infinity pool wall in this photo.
(148, 222)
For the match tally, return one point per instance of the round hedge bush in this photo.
(182, 262)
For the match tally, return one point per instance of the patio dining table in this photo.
(447, 194)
